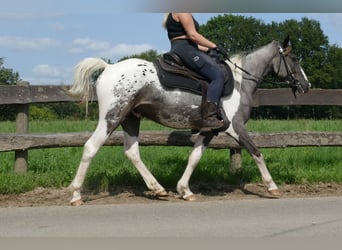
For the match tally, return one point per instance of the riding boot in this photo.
(209, 116)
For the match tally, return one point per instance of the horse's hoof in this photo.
(76, 203)
(191, 197)
(274, 192)
(162, 193)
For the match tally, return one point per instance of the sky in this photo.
(43, 40)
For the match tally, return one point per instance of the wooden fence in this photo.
(23, 95)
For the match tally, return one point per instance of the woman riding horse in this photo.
(189, 45)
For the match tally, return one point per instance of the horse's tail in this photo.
(84, 76)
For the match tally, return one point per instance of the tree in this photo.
(148, 55)
(7, 77)
(333, 68)
(320, 61)
(236, 33)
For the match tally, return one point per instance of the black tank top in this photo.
(175, 29)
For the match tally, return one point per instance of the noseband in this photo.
(292, 82)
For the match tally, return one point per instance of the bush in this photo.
(40, 112)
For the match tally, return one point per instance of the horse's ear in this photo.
(286, 42)
(287, 45)
(287, 50)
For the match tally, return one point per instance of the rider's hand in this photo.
(221, 50)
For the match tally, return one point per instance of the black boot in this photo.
(209, 116)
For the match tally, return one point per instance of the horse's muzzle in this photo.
(297, 86)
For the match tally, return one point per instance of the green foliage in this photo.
(236, 33)
(7, 113)
(70, 110)
(40, 112)
(333, 69)
(149, 55)
(7, 77)
(320, 61)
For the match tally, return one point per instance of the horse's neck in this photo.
(259, 63)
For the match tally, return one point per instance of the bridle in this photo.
(292, 81)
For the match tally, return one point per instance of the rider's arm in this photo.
(187, 22)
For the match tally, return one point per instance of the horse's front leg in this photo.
(238, 132)
(131, 147)
(265, 174)
(201, 143)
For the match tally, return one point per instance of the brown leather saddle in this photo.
(174, 74)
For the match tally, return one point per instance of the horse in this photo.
(130, 89)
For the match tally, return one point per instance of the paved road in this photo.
(243, 218)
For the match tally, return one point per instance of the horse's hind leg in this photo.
(131, 146)
(90, 149)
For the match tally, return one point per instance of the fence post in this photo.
(22, 123)
(235, 160)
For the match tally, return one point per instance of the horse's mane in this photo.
(247, 52)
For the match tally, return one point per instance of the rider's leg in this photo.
(213, 72)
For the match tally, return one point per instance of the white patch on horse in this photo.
(231, 103)
(237, 61)
(231, 106)
(122, 79)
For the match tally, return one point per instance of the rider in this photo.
(191, 46)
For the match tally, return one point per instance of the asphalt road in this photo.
(258, 218)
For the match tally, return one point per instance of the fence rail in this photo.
(27, 94)
(23, 95)
(11, 142)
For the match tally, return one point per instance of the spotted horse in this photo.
(130, 89)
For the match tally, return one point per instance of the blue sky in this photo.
(44, 40)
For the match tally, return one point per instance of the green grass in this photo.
(56, 167)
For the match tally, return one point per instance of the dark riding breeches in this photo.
(202, 64)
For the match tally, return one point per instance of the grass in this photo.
(57, 166)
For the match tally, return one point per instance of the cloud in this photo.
(22, 16)
(57, 26)
(27, 43)
(46, 70)
(49, 74)
(106, 49)
(90, 44)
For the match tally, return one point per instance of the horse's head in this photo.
(287, 67)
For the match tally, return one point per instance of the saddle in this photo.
(173, 74)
